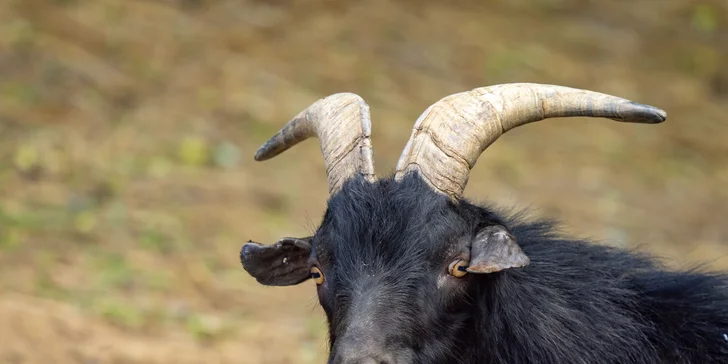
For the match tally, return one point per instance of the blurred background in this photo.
(127, 130)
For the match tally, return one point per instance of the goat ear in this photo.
(284, 263)
(495, 249)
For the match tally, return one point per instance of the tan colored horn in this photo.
(450, 135)
(343, 126)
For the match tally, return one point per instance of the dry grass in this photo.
(128, 129)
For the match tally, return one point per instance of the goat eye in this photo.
(317, 275)
(458, 268)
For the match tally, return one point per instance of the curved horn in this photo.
(342, 124)
(450, 135)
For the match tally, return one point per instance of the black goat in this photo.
(409, 272)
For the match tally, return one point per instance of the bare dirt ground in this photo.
(127, 129)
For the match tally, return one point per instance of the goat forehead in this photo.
(371, 245)
(386, 223)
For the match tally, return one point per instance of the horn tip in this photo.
(641, 114)
(263, 153)
(649, 114)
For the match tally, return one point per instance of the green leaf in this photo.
(193, 151)
(26, 157)
(705, 18)
(85, 221)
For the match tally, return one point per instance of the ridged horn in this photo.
(343, 126)
(450, 135)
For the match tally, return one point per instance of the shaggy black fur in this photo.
(384, 250)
